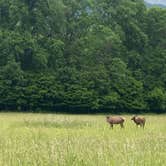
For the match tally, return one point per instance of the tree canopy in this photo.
(82, 56)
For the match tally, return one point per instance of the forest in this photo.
(82, 56)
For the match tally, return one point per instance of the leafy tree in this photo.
(82, 55)
(157, 100)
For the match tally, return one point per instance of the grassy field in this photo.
(80, 140)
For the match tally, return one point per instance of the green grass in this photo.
(80, 140)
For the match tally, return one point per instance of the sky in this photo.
(157, 1)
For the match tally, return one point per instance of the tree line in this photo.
(82, 55)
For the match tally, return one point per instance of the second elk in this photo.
(139, 121)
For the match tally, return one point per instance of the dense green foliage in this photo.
(82, 55)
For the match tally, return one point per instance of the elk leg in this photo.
(121, 124)
(111, 126)
(143, 125)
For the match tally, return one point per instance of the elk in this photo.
(139, 121)
(115, 120)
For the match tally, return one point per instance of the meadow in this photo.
(80, 140)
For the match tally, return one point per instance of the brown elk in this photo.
(139, 121)
(115, 120)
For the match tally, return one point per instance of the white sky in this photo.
(157, 1)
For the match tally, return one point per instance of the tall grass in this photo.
(80, 140)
